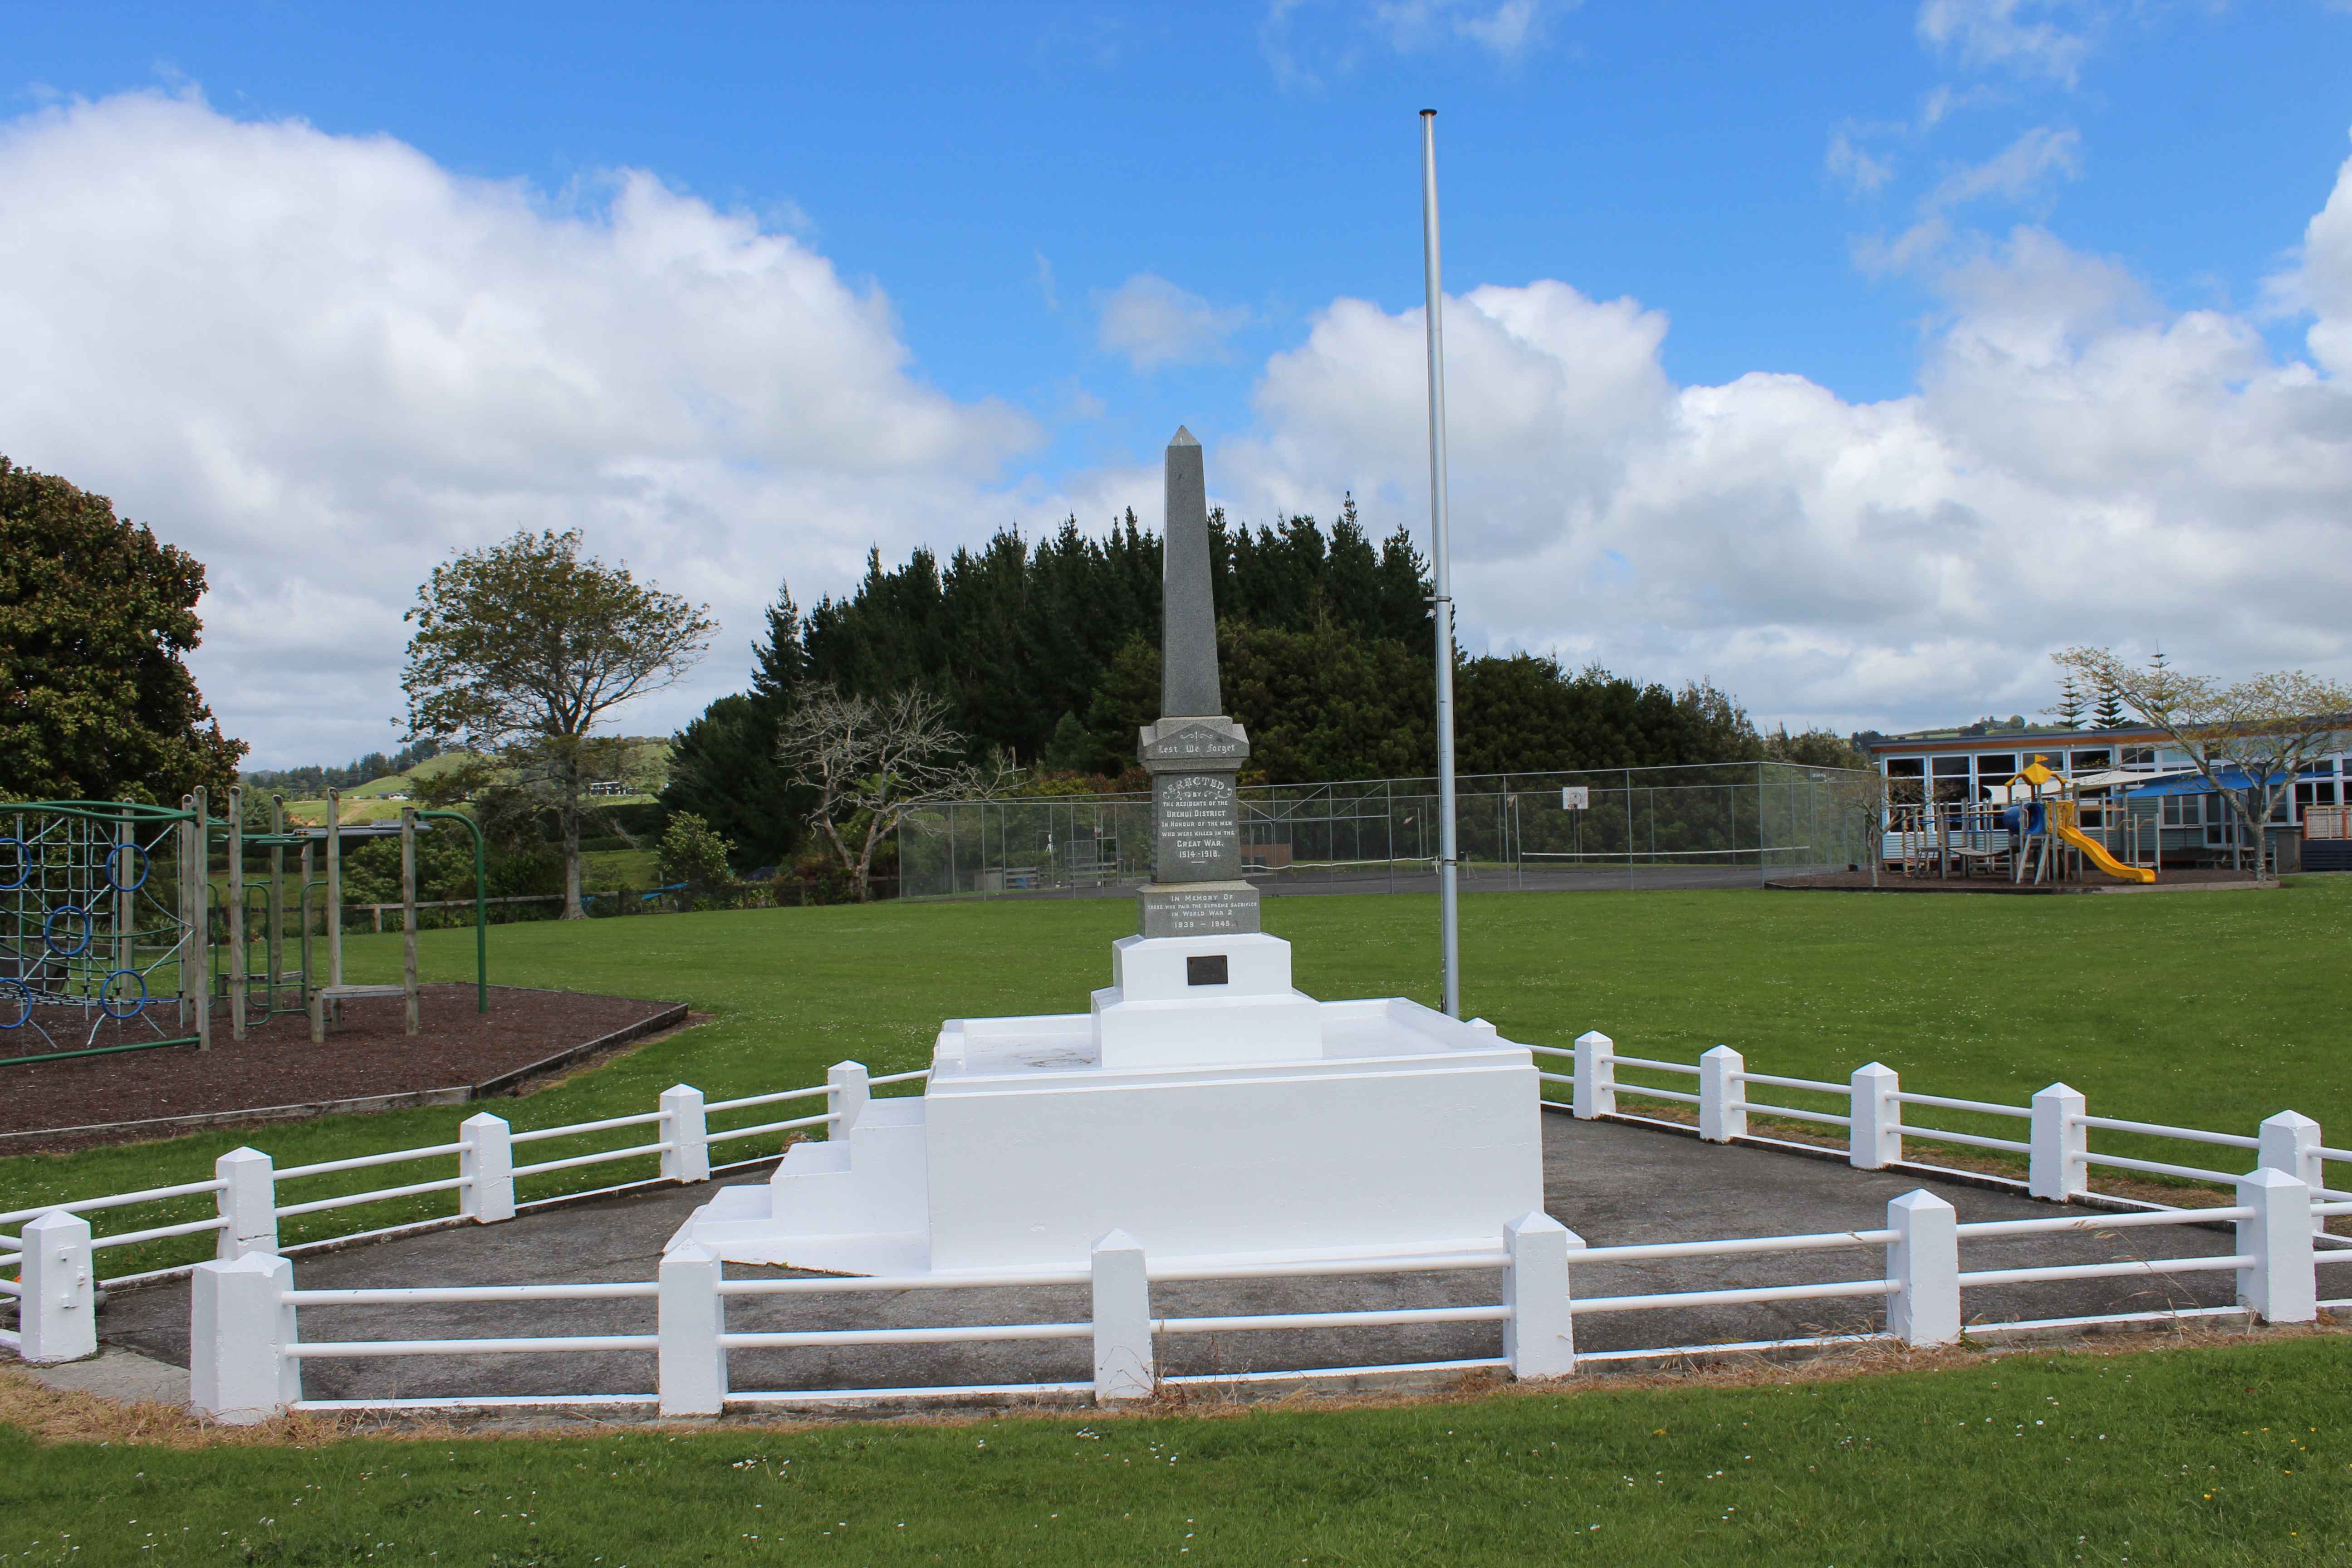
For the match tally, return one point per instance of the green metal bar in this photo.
(481, 908)
(104, 810)
(97, 1051)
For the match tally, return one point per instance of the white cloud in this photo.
(2322, 282)
(2028, 37)
(321, 361)
(1153, 322)
(2021, 173)
(1507, 29)
(2080, 465)
(2022, 169)
(1306, 43)
(1854, 165)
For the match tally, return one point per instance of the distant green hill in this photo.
(649, 754)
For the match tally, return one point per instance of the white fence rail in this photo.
(2058, 1128)
(248, 1350)
(57, 1251)
(250, 1195)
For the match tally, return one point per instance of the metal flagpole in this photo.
(1446, 889)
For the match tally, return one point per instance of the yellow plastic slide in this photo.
(2061, 822)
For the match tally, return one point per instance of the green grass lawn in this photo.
(2209, 1009)
(2235, 1454)
(2206, 1009)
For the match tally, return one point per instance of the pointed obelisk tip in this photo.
(1183, 438)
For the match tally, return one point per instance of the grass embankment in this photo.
(2235, 1454)
(2206, 1009)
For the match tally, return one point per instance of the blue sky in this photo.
(1089, 225)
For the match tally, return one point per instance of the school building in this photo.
(2131, 772)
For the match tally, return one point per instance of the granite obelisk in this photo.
(1195, 751)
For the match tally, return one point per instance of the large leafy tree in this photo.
(1016, 638)
(521, 647)
(96, 701)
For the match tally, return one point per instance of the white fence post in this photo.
(56, 1315)
(2291, 1142)
(692, 1315)
(1124, 1366)
(248, 1202)
(2282, 1287)
(486, 1162)
(1923, 1269)
(1596, 1076)
(1722, 1096)
(240, 1326)
(1874, 1134)
(847, 1091)
(1540, 1336)
(688, 1132)
(2061, 1145)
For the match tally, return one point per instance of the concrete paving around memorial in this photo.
(1611, 1183)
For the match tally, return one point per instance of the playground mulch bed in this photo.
(276, 1069)
(2091, 882)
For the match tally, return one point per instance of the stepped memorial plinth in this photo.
(1202, 1103)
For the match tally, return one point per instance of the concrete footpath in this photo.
(1612, 1184)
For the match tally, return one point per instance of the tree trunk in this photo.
(2250, 832)
(569, 814)
(861, 875)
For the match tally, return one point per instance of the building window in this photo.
(2183, 810)
(2092, 760)
(1997, 770)
(1951, 778)
(2138, 757)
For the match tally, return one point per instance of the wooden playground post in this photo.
(334, 887)
(408, 911)
(303, 897)
(237, 964)
(276, 949)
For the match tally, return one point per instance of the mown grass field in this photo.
(2211, 1009)
(2207, 1009)
(2232, 1455)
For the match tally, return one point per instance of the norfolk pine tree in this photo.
(520, 648)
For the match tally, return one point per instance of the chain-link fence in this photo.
(1720, 825)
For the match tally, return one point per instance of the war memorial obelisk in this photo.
(1194, 751)
(1200, 1104)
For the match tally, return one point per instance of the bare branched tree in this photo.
(2250, 740)
(873, 764)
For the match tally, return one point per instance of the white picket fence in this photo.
(247, 1350)
(2058, 1125)
(56, 1324)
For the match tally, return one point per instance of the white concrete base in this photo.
(1164, 1007)
(1385, 1127)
